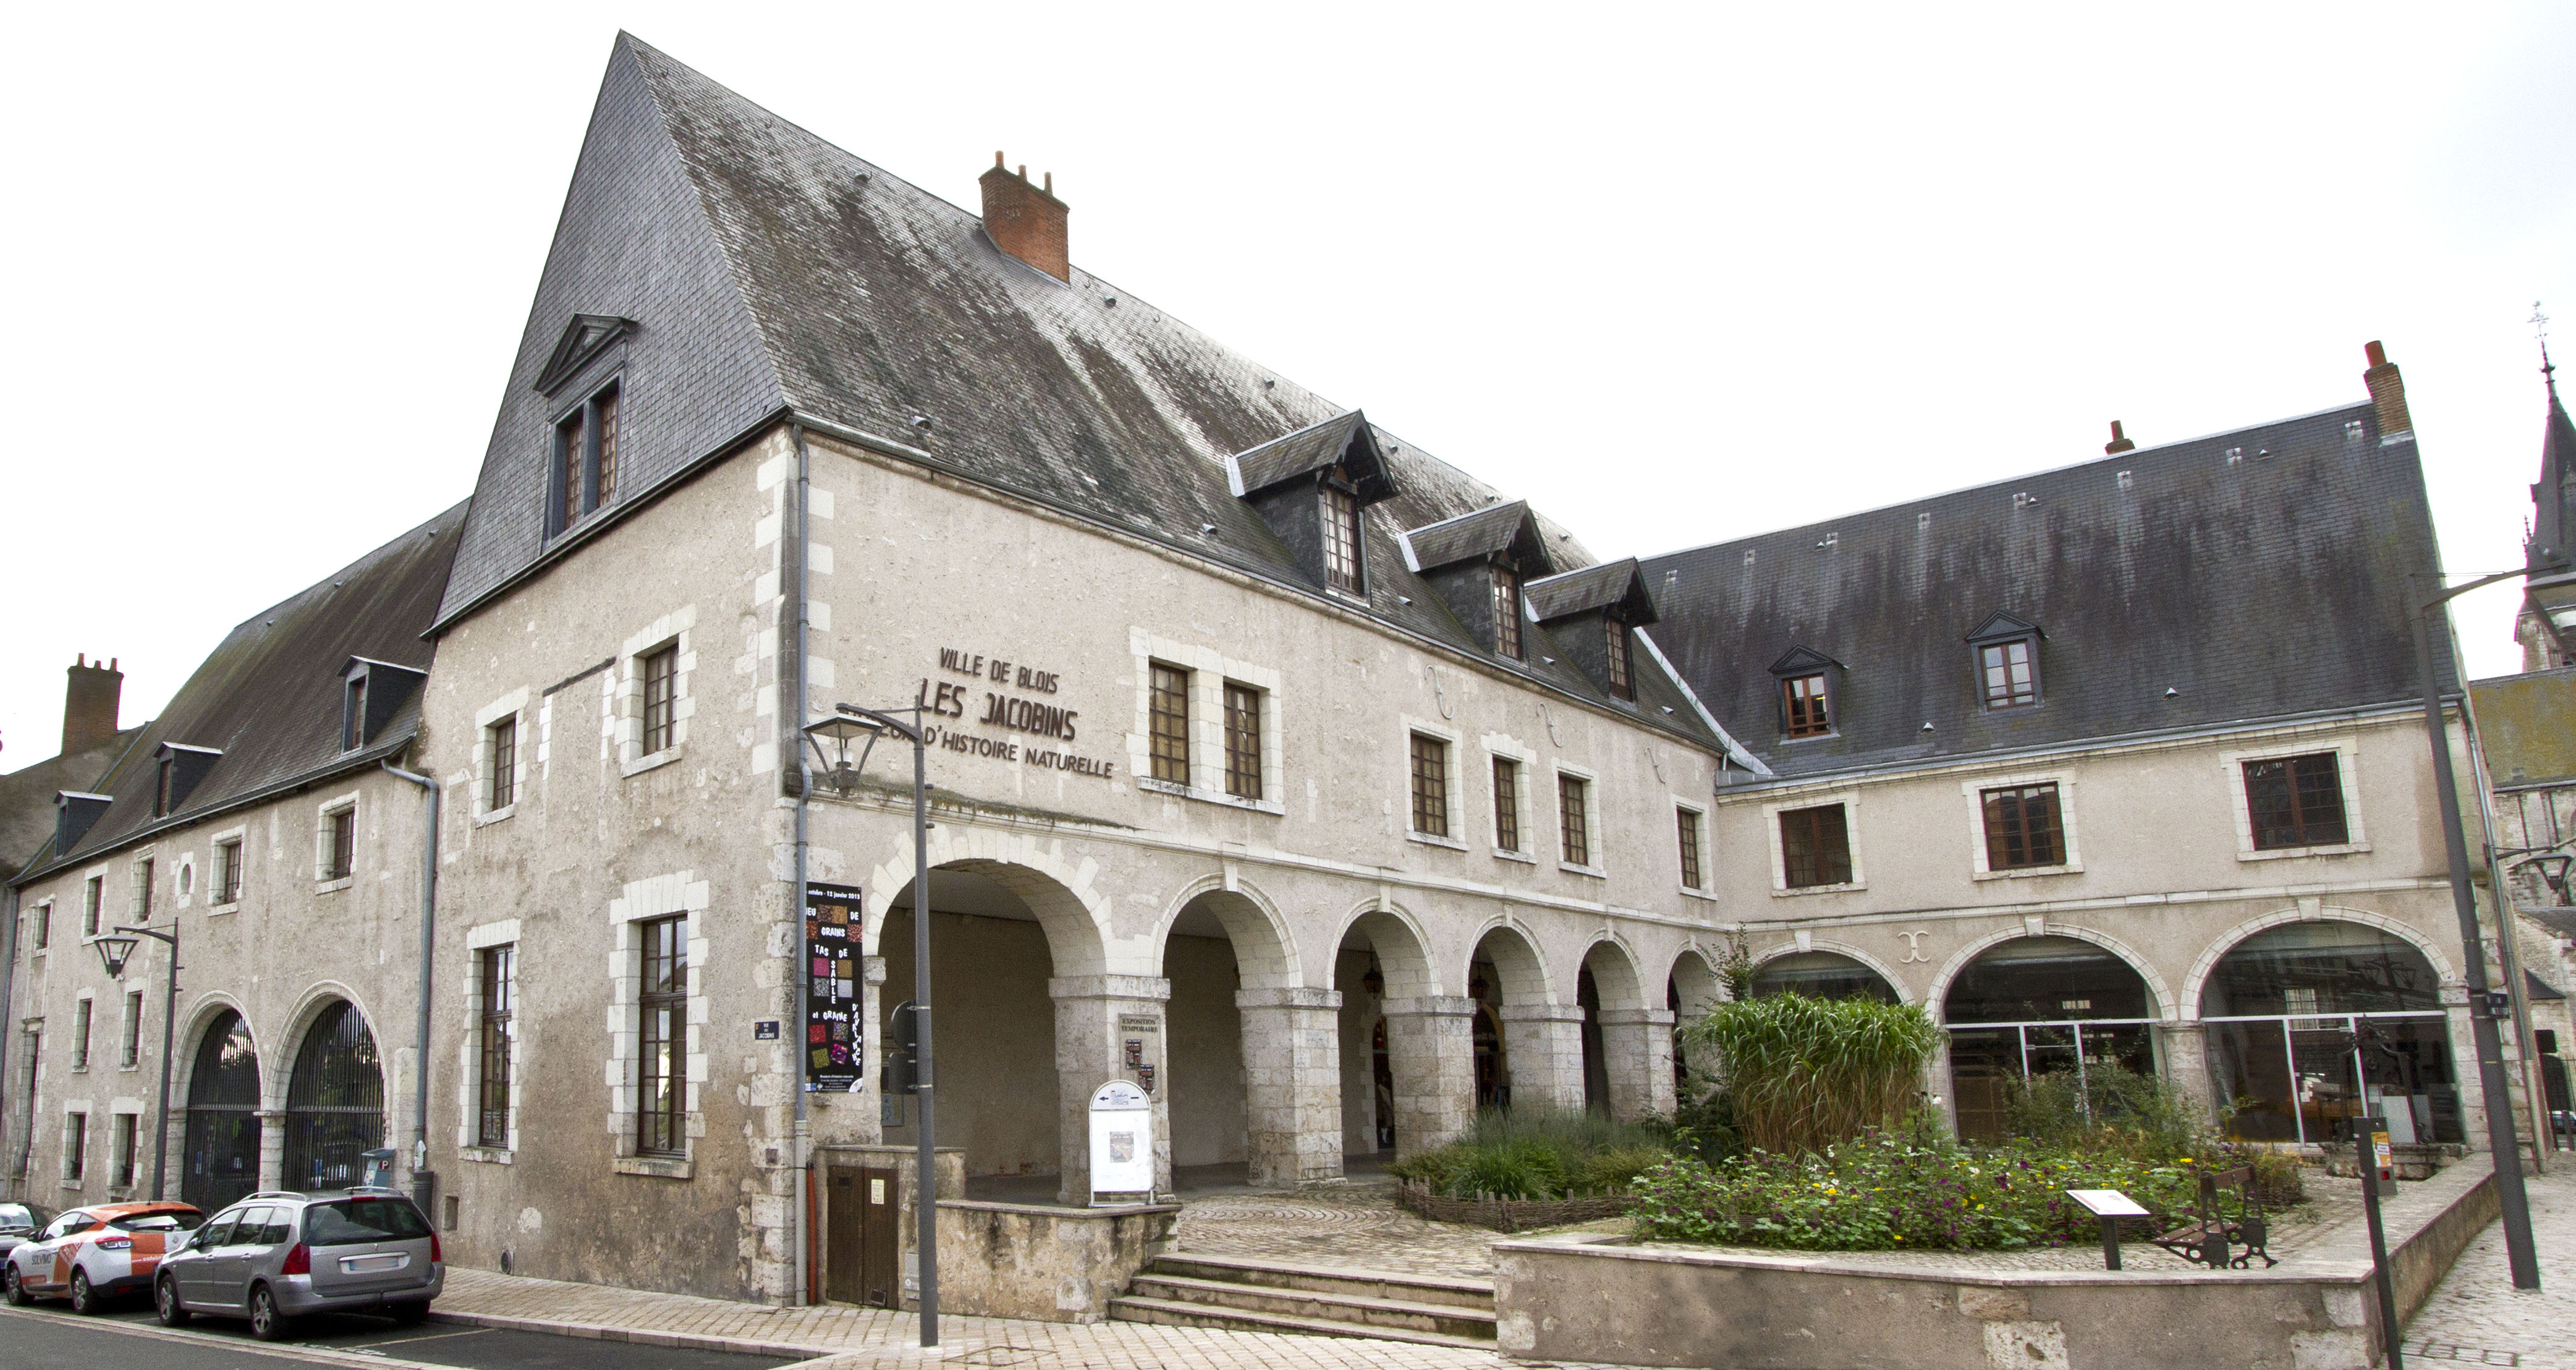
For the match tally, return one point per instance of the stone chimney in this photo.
(2119, 442)
(2387, 394)
(89, 704)
(1027, 221)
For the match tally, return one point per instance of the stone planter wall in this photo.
(1043, 1262)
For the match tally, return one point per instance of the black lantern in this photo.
(831, 741)
(113, 952)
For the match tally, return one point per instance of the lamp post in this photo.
(113, 951)
(842, 775)
(2502, 1141)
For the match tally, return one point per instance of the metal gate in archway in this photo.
(219, 1162)
(335, 1102)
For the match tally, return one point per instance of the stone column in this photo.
(272, 1149)
(1543, 1045)
(1637, 1048)
(1431, 1050)
(1095, 1017)
(2185, 1049)
(1292, 1084)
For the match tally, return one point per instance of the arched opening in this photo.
(1627, 1046)
(1207, 1070)
(2037, 1005)
(1406, 1058)
(335, 1102)
(1821, 975)
(994, 949)
(219, 1162)
(1542, 1046)
(1690, 991)
(1244, 1085)
(2313, 1025)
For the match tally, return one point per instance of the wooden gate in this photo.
(859, 1264)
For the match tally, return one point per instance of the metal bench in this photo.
(2216, 1240)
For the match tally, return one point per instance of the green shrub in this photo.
(2109, 1108)
(1538, 1154)
(1802, 1074)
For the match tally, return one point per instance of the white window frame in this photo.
(239, 839)
(84, 1031)
(1455, 784)
(469, 1054)
(644, 900)
(323, 881)
(513, 706)
(86, 1112)
(1707, 852)
(1591, 815)
(1209, 670)
(1502, 747)
(1975, 793)
(1852, 810)
(44, 910)
(675, 630)
(2347, 752)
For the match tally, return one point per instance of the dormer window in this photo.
(1507, 611)
(2007, 661)
(371, 694)
(1623, 682)
(1341, 536)
(1807, 705)
(161, 802)
(585, 458)
(353, 713)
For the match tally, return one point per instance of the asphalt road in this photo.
(49, 1335)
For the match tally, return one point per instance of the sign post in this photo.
(835, 1047)
(2372, 1145)
(1122, 1145)
(2110, 1205)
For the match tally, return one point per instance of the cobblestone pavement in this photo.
(2477, 1317)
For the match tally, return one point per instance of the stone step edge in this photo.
(1456, 1284)
(1236, 1319)
(1405, 1307)
(592, 1331)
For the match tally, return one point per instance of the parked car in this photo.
(90, 1255)
(278, 1256)
(20, 1223)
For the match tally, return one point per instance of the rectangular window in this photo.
(1615, 642)
(80, 1034)
(143, 891)
(661, 677)
(500, 987)
(1430, 767)
(1686, 828)
(2010, 680)
(1507, 612)
(1803, 700)
(44, 924)
(501, 743)
(604, 419)
(93, 894)
(1507, 804)
(75, 1146)
(353, 715)
(1167, 707)
(662, 1030)
(2023, 827)
(1242, 741)
(1815, 846)
(1573, 819)
(227, 885)
(340, 843)
(2296, 801)
(161, 791)
(123, 1169)
(572, 450)
(132, 1054)
(586, 458)
(1341, 540)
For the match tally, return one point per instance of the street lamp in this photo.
(2502, 1141)
(113, 952)
(850, 724)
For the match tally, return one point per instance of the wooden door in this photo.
(880, 1273)
(845, 1229)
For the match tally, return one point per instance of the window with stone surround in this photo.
(2023, 827)
(661, 670)
(1686, 832)
(121, 1150)
(44, 927)
(75, 1147)
(1242, 740)
(1430, 777)
(226, 886)
(2296, 801)
(498, 968)
(1507, 804)
(1815, 846)
(131, 1054)
(501, 764)
(1574, 819)
(80, 1033)
(93, 893)
(1168, 723)
(661, 1035)
(143, 872)
(339, 842)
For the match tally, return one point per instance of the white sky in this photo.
(1676, 274)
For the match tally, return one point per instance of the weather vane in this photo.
(2540, 330)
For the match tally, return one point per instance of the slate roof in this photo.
(1303, 452)
(770, 274)
(268, 697)
(2553, 496)
(1594, 587)
(2259, 574)
(1468, 536)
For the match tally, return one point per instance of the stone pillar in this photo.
(1095, 1017)
(1637, 1048)
(1431, 1050)
(1543, 1046)
(2185, 1049)
(1292, 1084)
(272, 1150)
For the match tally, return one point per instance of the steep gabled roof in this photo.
(1612, 584)
(2553, 496)
(1344, 440)
(1486, 532)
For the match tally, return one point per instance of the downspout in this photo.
(801, 1152)
(424, 1183)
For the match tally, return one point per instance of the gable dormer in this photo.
(371, 693)
(1310, 487)
(1481, 564)
(1811, 693)
(74, 813)
(2005, 653)
(177, 769)
(1592, 616)
(583, 340)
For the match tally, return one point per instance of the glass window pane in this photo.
(2046, 979)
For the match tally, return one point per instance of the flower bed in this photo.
(1509, 1215)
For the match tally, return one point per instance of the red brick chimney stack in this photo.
(2119, 442)
(2387, 394)
(89, 704)
(1027, 221)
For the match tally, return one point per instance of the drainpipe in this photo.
(424, 1183)
(798, 1215)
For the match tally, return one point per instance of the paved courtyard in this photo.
(2477, 1317)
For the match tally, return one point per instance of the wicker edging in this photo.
(1510, 1215)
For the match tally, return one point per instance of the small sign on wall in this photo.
(766, 1030)
(1122, 1145)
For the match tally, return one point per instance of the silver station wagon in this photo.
(277, 1256)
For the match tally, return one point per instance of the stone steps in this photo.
(1249, 1295)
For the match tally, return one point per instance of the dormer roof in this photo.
(2000, 625)
(1613, 586)
(1506, 529)
(584, 338)
(1804, 661)
(1344, 440)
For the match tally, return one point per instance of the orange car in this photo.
(92, 1254)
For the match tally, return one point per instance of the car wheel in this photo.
(410, 1314)
(165, 1301)
(16, 1289)
(85, 1300)
(266, 1323)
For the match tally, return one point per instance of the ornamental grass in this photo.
(1803, 1074)
(1538, 1154)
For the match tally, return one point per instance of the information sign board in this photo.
(834, 1039)
(1122, 1145)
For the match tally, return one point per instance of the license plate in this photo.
(363, 1265)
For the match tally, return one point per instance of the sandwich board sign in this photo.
(1122, 1145)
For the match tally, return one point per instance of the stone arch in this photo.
(2160, 1000)
(328, 1117)
(1627, 1042)
(1406, 1062)
(1844, 949)
(1265, 948)
(280, 1051)
(1062, 895)
(1614, 975)
(215, 1146)
(1403, 950)
(2216, 951)
(1691, 983)
(1249, 1081)
(1519, 964)
(1529, 1032)
(201, 1016)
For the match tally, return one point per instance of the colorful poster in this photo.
(834, 1050)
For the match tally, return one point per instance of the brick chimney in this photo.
(89, 704)
(2387, 394)
(2119, 442)
(1027, 221)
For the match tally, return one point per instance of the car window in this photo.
(152, 1222)
(248, 1226)
(15, 1216)
(67, 1224)
(344, 1221)
(280, 1228)
(215, 1233)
